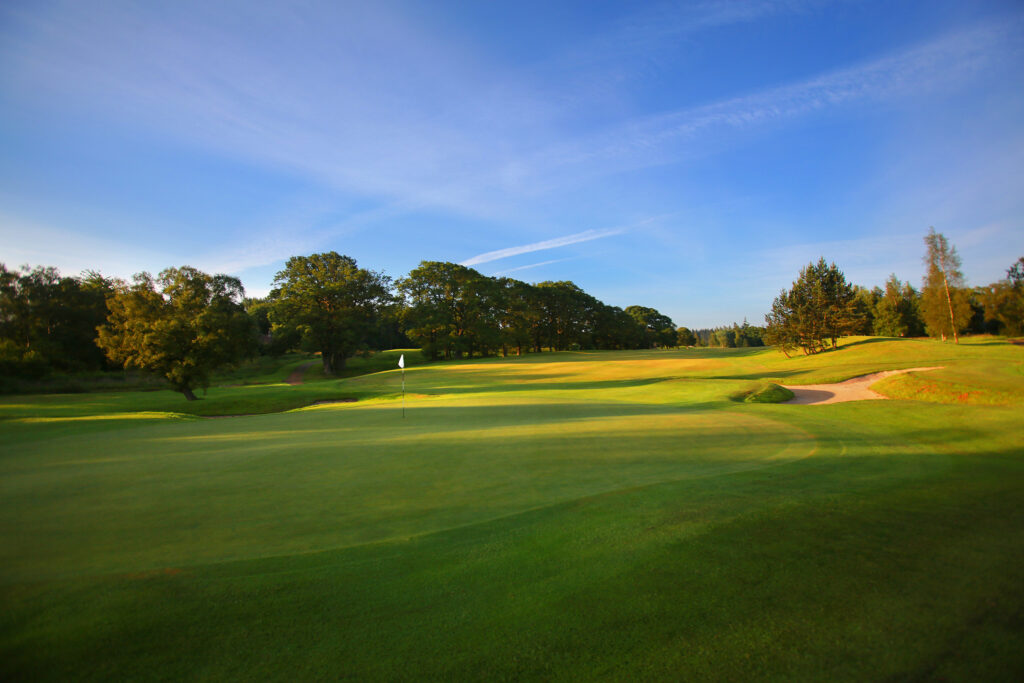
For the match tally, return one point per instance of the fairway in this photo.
(615, 515)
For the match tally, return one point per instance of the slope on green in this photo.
(588, 515)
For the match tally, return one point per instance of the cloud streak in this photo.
(529, 267)
(446, 133)
(577, 238)
(941, 63)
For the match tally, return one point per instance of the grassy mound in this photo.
(769, 393)
(577, 515)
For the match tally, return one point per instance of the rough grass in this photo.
(564, 516)
(769, 393)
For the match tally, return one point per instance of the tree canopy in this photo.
(944, 300)
(1003, 301)
(193, 324)
(896, 311)
(49, 321)
(182, 324)
(819, 308)
(659, 330)
(330, 302)
(454, 311)
(451, 308)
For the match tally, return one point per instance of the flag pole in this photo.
(401, 364)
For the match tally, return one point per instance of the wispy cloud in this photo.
(585, 236)
(641, 44)
(941, 63)
(397, 116)
(453, 130)
(530, 266)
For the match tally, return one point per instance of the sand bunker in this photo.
(855, 389)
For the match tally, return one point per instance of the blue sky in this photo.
(689, 156)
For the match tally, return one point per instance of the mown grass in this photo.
(566, 516)
(255, 388)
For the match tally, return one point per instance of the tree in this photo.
(724, 337)
(748, 335)
(515, 319)
(896, 311)
(838, 302)
(616, 329)
(864, 302)
(184, 331)
(449, 309)
(1003, 301)
(48, 321)
(944, 305)
(660, 329)
(819, 307)
(272, 342)
(331, 302)
(568, 315)
(684, 337)
(780, 324)
(1015, 273)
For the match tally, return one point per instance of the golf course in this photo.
(622, 515)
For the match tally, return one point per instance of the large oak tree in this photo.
(332, 302)
(190, 326)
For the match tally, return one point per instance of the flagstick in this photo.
(401, 364)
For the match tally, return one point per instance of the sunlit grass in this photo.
(578, 515)
(104, 416)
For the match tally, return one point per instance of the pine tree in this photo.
(820, 307)
(896, 313)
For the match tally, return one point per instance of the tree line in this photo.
(183, 324)
(822, 306)
(727, 336)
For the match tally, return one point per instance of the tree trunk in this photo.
(333, 362)
(189, 396)
(949, 300)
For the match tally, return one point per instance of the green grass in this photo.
(254, 388)
(769, 393)
(262, 370)
(558, 516)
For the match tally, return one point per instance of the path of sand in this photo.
(855, 389)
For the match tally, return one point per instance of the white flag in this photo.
(401, 361)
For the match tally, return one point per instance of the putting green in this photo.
(138, 498)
